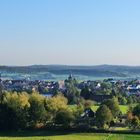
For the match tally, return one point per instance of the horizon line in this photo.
(74, 65)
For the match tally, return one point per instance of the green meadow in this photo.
(79, 136)
(123, 108)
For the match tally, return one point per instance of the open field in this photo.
(77, 136)
(123, 108)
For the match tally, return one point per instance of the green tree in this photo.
(103, 117)
(37, 112)
(54, 104)
(85, 93)
(64, 117)
(136, 111)
(14, 111)
(72, 93)
(135, 122)
(113, 105)
(123, 100)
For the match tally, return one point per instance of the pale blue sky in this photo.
(72, 32)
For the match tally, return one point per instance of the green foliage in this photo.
(85, 93)
(64, 117)
(135, 122)
(86, 103)
(72, 93)
(78, 110)
(123, 100)
(14, 111)
(113, 105)
(56, 103)
(103, 117)
(136, 111)
(133, 117)
(105, 88)
(37, 110)
(132, 121)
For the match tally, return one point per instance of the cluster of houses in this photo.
(129, 86)
(48, 87)
(25, 85)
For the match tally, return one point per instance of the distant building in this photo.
(70, 77)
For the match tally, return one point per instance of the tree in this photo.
(37, 112)
(122, 100)
(72, 93)
(78, 110)
(103, 117)
(14, 111)
(85, 93)
(136, 111)
(130, 100)
(54, 104)
(133, 117)
(113, 105)
(106, 88)
(135, 123)
(64, 117)
(86, 103)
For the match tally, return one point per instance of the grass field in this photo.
(123, 108)
(79, 136)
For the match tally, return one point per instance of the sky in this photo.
(71, 32)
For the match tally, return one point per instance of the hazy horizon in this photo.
(75, 32)
(76, 65)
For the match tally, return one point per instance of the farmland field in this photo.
(78, 136)
(123, 108)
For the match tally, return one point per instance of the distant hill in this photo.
(97, 71)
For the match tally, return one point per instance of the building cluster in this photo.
(128, 86)
(48, 87)
(29, 86)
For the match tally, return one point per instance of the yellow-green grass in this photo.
(80, 136)
(123, 108)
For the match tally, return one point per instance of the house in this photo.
(88, 113)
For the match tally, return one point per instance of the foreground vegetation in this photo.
(20, 111)
(69, 110)
(75, 136)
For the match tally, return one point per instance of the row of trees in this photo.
(22, 111)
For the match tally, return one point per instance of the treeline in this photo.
(29, 111)
(20, 111)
